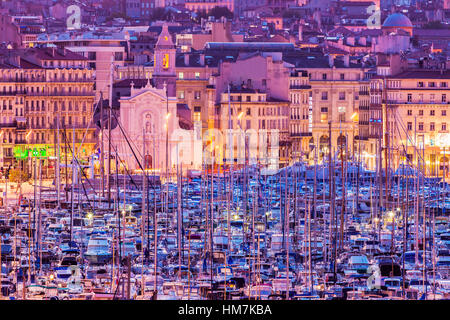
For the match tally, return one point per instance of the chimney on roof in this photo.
(202, 59)
(186, 59)
(363, 41)
(330, 60)
(351, 41)
(347, 60)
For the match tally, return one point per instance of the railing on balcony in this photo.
(301, 134)
(60, 94)
(300, 86)
(8, 125)
(11, 93)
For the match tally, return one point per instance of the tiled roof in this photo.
(423, 74)
(54, 54)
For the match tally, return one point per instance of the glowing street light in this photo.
(391, 214)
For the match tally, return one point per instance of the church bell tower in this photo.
(164, 62)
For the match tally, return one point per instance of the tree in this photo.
(19, 177)
(218, 12)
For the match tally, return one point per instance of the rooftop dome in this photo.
(397, 20)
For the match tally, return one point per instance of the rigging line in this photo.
(131, 148)
(76, 159)
(413, 144)
(410, 139)
(76, 156)
(79, 165)
(128, 142)
(126, 170)
(85, 133)
(132, 142)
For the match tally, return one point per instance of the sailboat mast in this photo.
(74, 175)
(102, 149)
(58, 162)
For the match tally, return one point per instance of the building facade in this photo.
(416, 106)
(44, 89)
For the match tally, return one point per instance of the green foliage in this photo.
(18, 176)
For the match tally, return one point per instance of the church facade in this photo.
(149, 135)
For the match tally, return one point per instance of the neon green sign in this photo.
(22, 153)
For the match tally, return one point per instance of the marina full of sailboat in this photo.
(328, 230)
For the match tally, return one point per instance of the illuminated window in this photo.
(180, 75)
(166, 61)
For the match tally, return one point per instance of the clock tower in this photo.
(164, 62)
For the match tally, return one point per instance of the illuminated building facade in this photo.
(38, 87)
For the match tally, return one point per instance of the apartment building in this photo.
(40, 87)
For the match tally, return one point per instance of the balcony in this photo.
(301, 134)
(70, 80)
(302, 86)
(11, 93)
(419, 102)
(61, 94)
(8, 125)
(70, 126)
